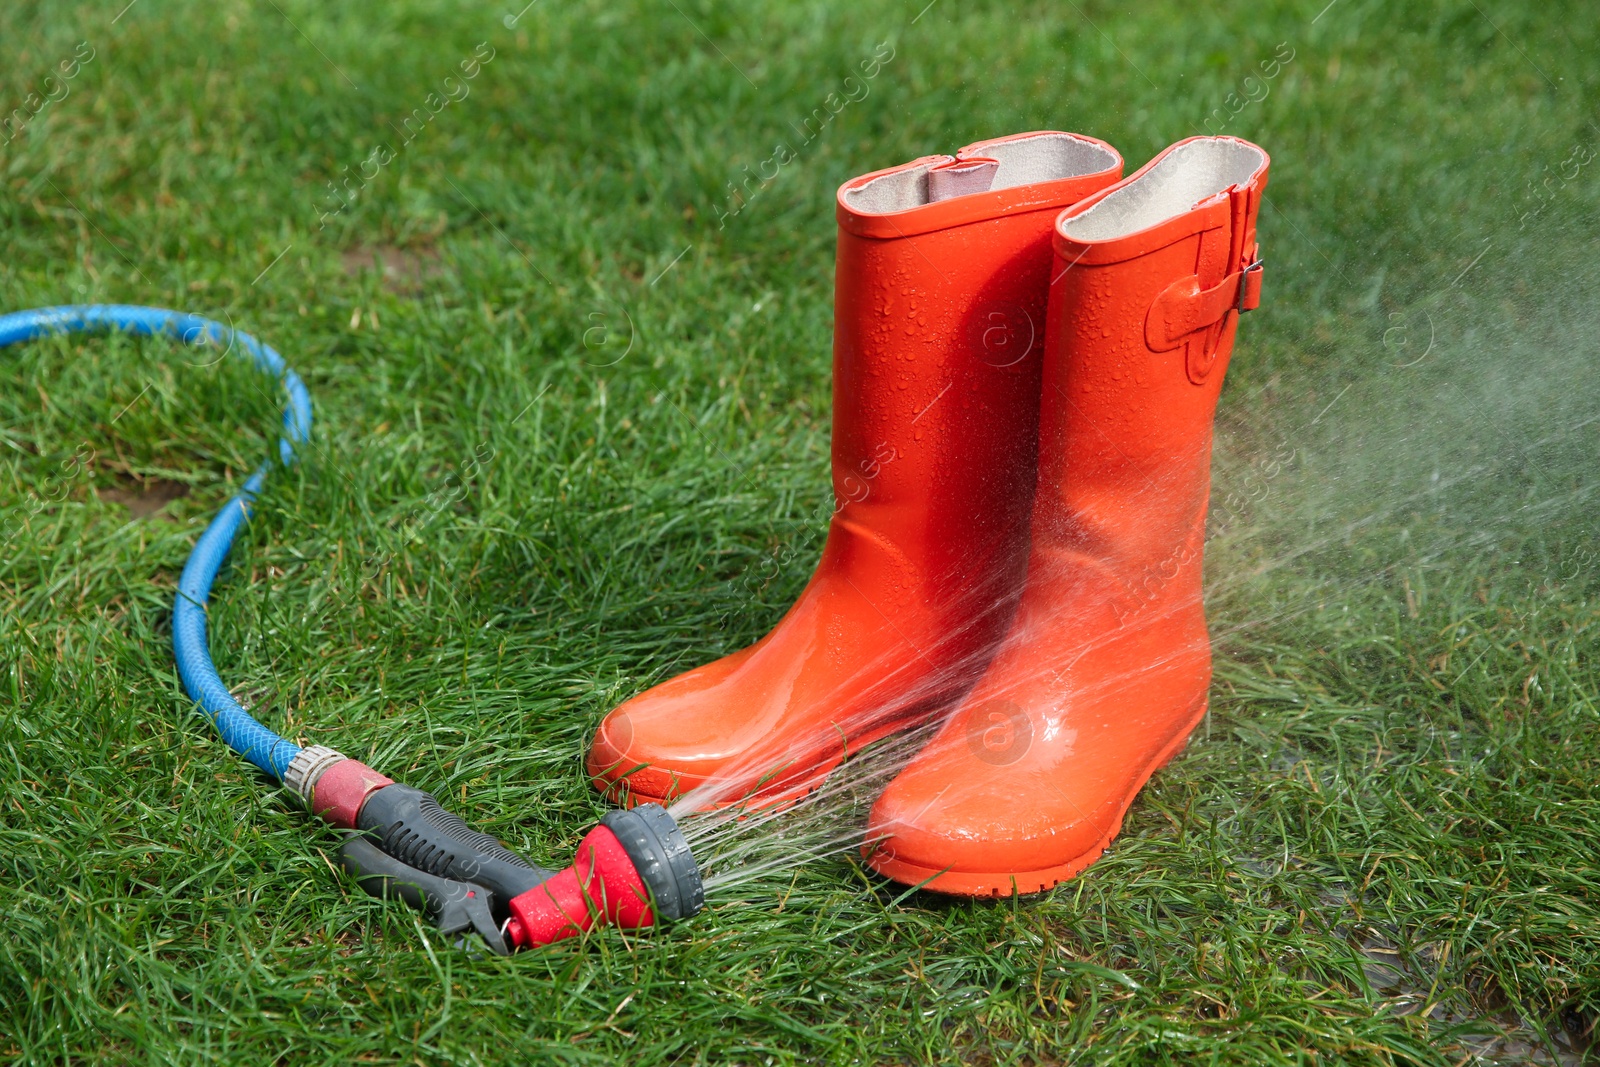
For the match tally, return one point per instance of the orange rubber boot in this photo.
(1104, 672)
(942, 276)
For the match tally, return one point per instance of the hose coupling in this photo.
(307, 766)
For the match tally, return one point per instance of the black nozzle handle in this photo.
(452, 906)
(411, 826)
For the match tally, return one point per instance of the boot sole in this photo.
(1021, 883)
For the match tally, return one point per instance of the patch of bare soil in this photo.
(403, 269)
(144, 500)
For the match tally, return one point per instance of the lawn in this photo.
(572, 403)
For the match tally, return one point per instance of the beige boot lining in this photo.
(1185, 177)
(1023, 161)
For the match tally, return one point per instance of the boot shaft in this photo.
(1150, 278)
(942, 275)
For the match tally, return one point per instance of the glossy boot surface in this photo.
(1105, 669)
(941, 280)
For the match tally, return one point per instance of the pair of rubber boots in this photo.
(1027, 356)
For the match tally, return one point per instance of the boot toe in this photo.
(979, 838)
(618, 769)
(676, 736)
(653, 757)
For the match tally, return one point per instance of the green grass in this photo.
(1382, 847)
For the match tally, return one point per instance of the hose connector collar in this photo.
(307, 766)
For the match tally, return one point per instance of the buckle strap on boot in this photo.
(1183, 307)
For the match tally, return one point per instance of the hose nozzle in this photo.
(631, 870)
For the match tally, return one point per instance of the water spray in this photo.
(634, 870)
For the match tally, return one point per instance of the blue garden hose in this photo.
(412, 847)
(238, 728)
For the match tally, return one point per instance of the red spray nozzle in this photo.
(601, 885)
(633, 865)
